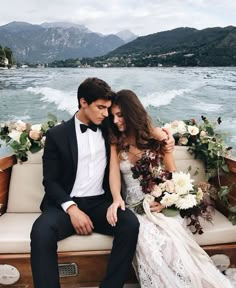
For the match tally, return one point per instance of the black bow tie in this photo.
(84, 127)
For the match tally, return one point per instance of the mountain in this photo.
(181, 46)
(127, 35)
(54, 41)
(65, 25)
(15, 26)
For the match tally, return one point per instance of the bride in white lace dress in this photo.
(167, 255)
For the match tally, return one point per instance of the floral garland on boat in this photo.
(204, 141)
(24, 137)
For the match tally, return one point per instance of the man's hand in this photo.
(112, 211)
(80, 221)
(156, 206)
(170, 141)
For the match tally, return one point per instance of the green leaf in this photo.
(224, 191)
(52, 117)
(170, 212)
(23, 138)
(232, 209)
(196, 172)
(232, 218)
(34, 149)
(15, 145)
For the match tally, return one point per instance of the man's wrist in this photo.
(71, 208)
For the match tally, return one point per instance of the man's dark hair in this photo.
(92, 89)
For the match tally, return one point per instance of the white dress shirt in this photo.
(91, 164)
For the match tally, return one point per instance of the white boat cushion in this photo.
(15, 235)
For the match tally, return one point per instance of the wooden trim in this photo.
(91, 266)
(7, 162)
(231, 163)
(5, 175)
(228, 249)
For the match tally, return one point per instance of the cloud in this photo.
(140, 16)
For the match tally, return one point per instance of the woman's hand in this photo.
(112, 211)
(156, 206)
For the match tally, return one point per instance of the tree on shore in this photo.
(2, 57)
(6, 53)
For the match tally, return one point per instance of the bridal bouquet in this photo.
(175, 191)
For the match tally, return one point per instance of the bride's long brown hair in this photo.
(137, 121)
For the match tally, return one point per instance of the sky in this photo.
(142, 17)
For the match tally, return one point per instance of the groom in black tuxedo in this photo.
(77, 195)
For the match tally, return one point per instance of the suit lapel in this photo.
(107, 145)
(71, 134)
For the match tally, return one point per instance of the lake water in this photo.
(167, 93)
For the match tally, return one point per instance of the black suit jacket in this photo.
(60, 164)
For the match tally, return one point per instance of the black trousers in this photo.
(54, 225)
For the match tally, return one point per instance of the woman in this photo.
(166, 255)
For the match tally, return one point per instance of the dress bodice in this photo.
(133, 192)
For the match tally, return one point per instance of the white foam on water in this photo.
(19, 117)
(207, 107)
(158, 99)
(65, 101)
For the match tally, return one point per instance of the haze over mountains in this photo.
(55, 41)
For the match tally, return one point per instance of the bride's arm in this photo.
(169, 162)
(115, 186)
(164, 134)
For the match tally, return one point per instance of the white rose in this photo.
(193, 130)
(181, 127)
(157, 191)
(186, 202)
(35, 135)
(20, 126)
(203, 133)
(15, 135)
(175, 123)
(36, 127)
(169, 199)
(170, 187)
(35, 132)
(183, 141)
